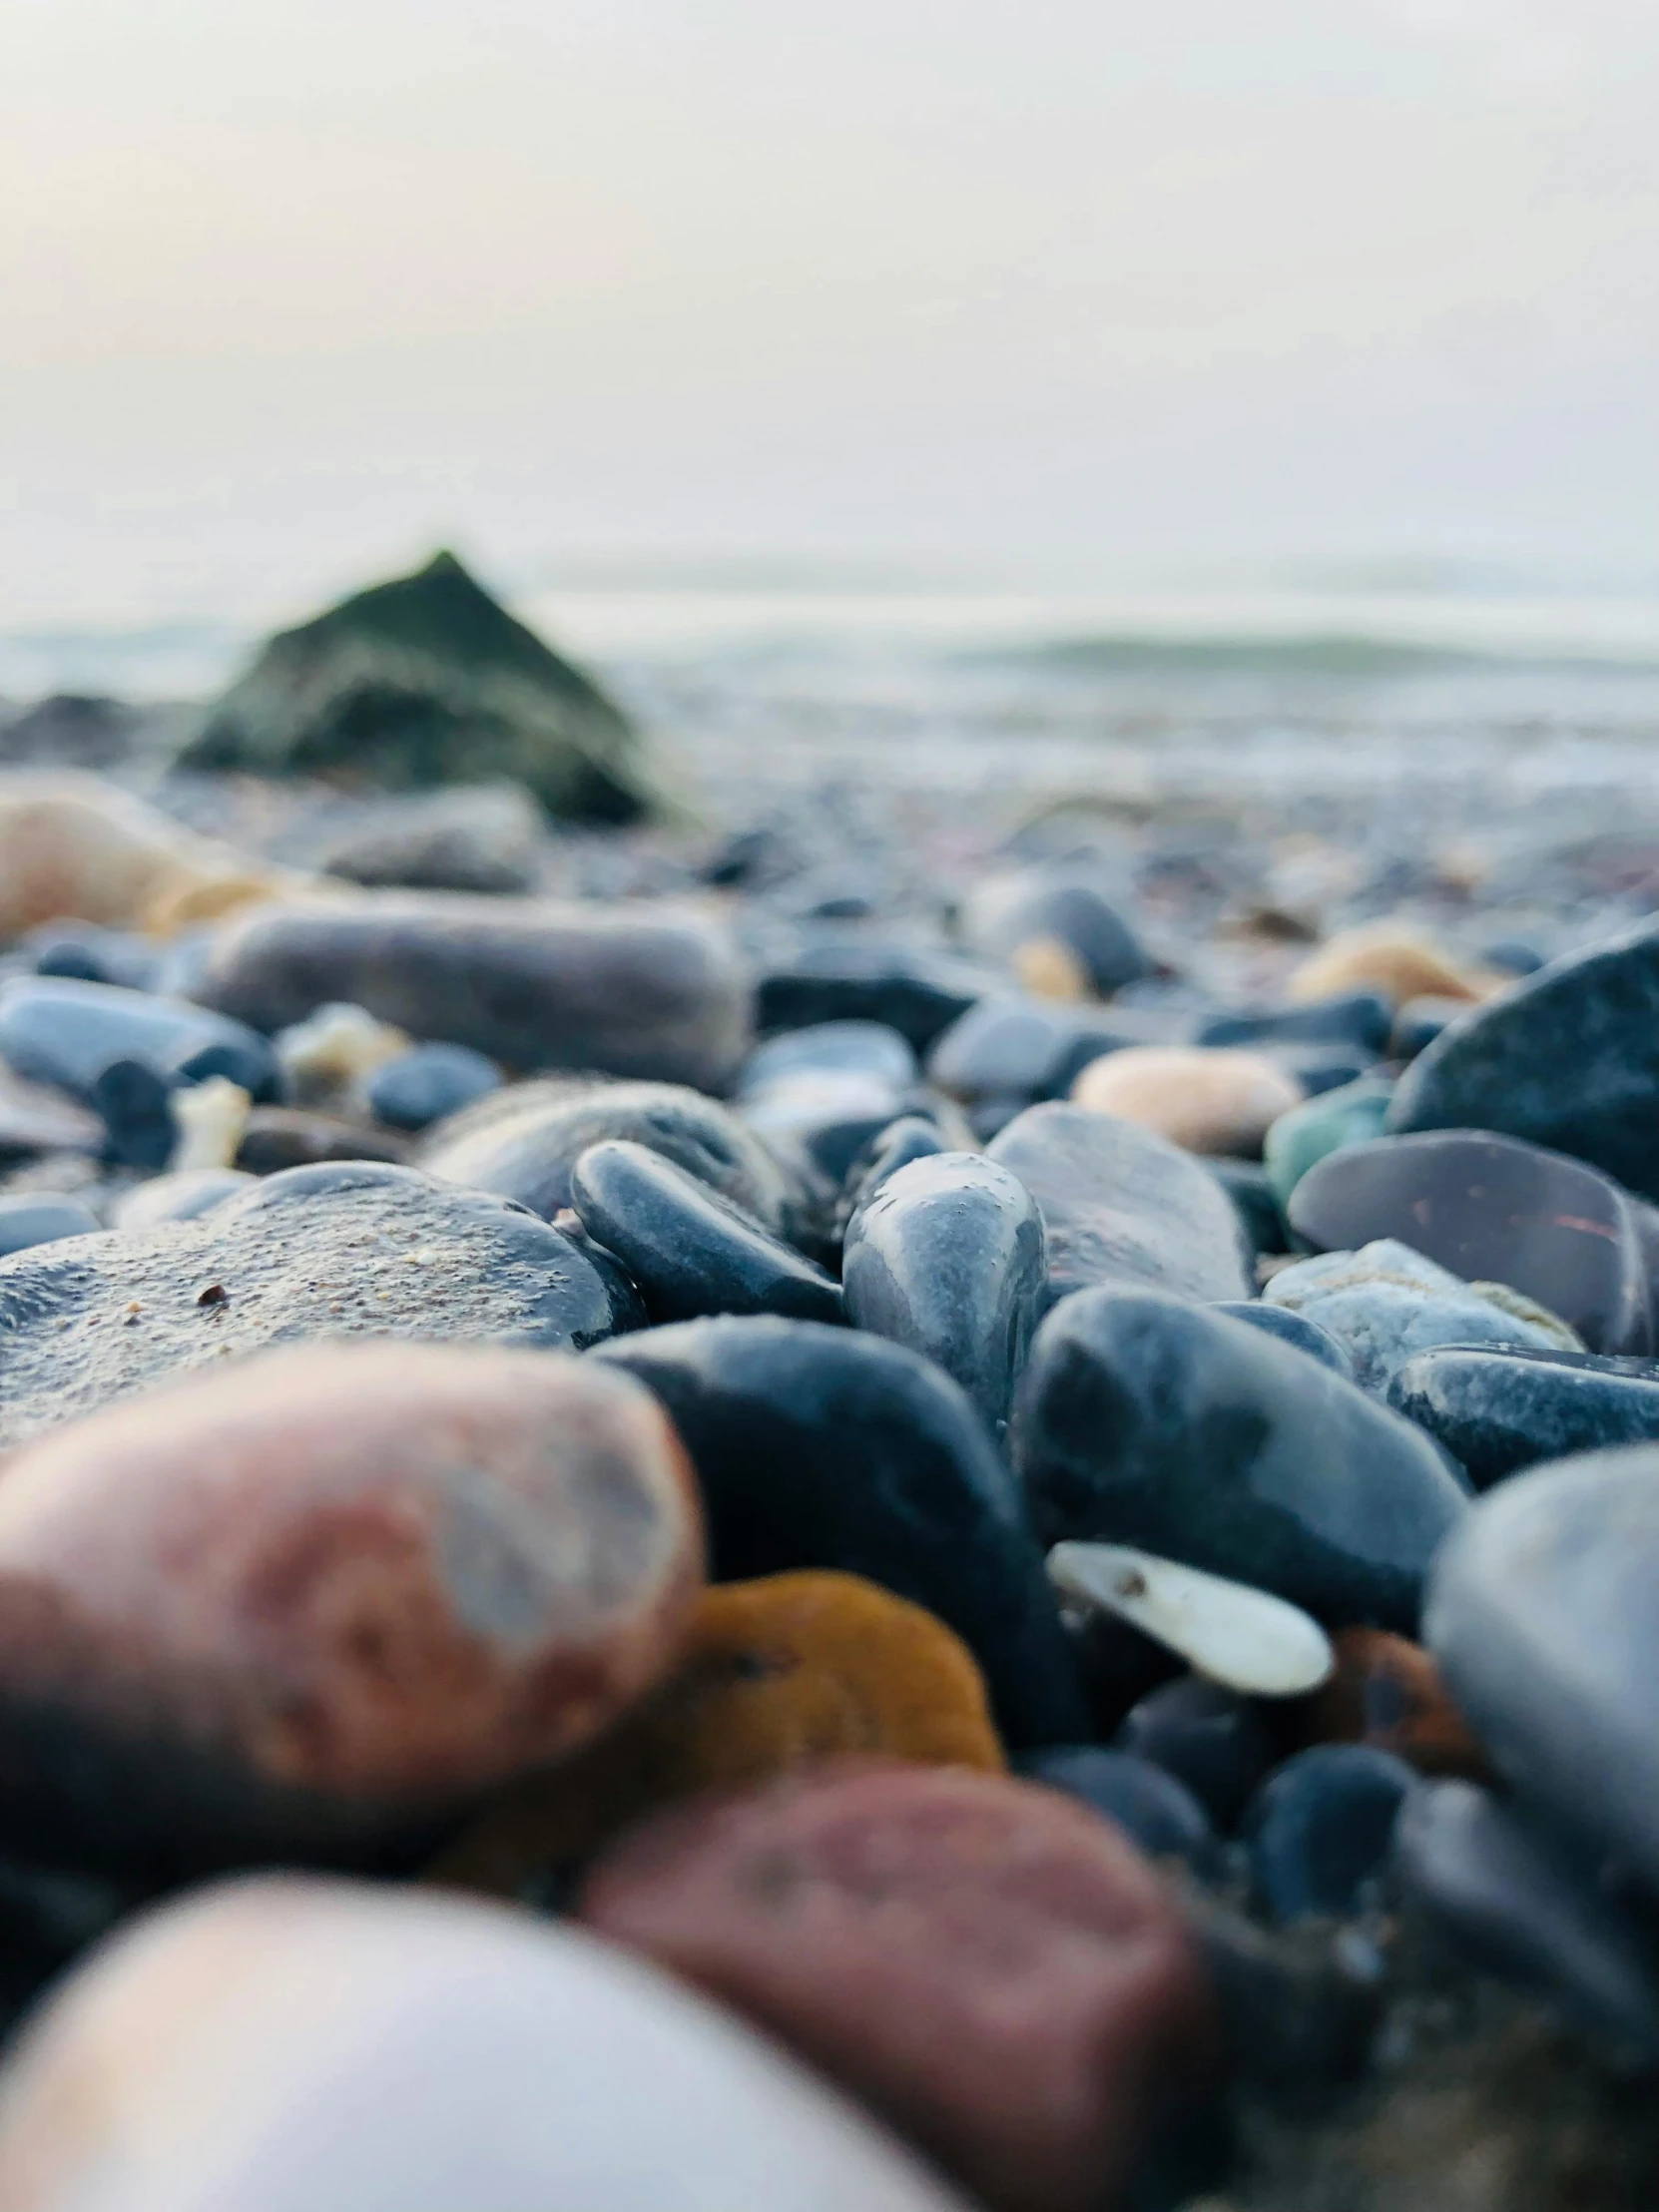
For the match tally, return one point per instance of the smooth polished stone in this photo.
(177, 1197)
(1255, 1202)
(1387, 1692)
(523, 1142)
(772, 1675)
(1158, 1814)
(1293, 1329)
(1381, 957)
(35, 1118)
(1544, 1613)
(824, 1119)
(58, 1031)
(1360, 1018)
(867, 1048)
(1213, 1740)
(279, 1137)
(991, 1966)
(300, 1607)
(1320, 1828)
(857, 979)
(1243, 1638)
(345, 2073)
(690, 1251)
(643, 991)
(427, 1083)
(1511, 1905)
(349, 1251)
(948, 1258)
(42, 1217)
(94, 955)
(1208, 1099)
(1325, 1124)
(1491, 1210)
(461, 837)
(135, 1102)
(1009, 914)
(1498, 1412)
(910, 1137)
(1033, 1048)
(828, 1447)
(1121, 1204)
(1386, 1303)
(1151, 1422)
(1567, 1058)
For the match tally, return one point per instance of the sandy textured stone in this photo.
(299, 1605)
(1203, 1098)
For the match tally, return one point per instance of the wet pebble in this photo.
(1320, 1828)
(1323, 1125)
(827, 1091)
(994, 1968)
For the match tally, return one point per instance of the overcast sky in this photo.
(292, 289)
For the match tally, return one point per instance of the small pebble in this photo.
(1204, 1099)
(1241, 1638)
(1320, 1827)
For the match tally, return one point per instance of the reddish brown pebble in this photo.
(1388, 1692)
(991, 1966)
(301, 1605)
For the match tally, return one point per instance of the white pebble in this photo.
(1230, 1633)
(209, 1118)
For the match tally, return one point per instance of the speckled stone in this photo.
(631, 991)
(948, 1258)
(772, 1675)
(1121, 1204)
(1210, 1099)
(830, 1448)
(299, 1606)
(364, 1250)
(993, 1968)
(523, 1142)
(1498, 1412)
(1148, 1420)
(325, 2015)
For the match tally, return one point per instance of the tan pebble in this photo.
(1049, 969)
(1381, 957)
(1208, 1099)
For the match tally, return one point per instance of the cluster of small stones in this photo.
(703, 1549)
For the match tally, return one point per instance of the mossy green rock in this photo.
(1320, 1126)
(427, 680)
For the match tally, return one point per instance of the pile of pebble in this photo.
(645, 1566)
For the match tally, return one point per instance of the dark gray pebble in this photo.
(1210, 1737)
(427, 1082)
(1295, 1328)
(1320, 1828)
(1498, 1412)
(1153, 1807)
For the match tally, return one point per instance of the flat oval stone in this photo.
(298, 1606)
(1543, 1612)
(1491, 1210)
(1567, 1058)
(1511, 1905)
(524, 1142)
(1498, 1410)
(691, 1251)
(1146, 1421)
(1202, 1098)
(1008, 914)
(1381, 957)
(772, 1675)
(1292, 1327)
(54, 1029)
(1311, 1131)
(991, 1966)
(1243, 1638)
(177, 1197)
(42, 1217)
(1387, 1692)
(1320, 1829)
(630, 991)
(427, 1083)
(855, 979)
(353, 1251)
(827, 1447)
(1386, 1303)
(948, 1257)
(1121, 1204)
(325, 2016)
(1213, 1740)
(1156, 1811)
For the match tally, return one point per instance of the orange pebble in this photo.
(1388, 1692)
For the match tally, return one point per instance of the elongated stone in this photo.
(628, 991)
(948, 1258)
(1498, 1410)
(57, 1030)
(1244, 1639)
(1207, 1099)
(325, 2016)
(299, 1606)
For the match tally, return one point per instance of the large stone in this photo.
(427, 680)
(988, 1963)
(1568, 1057)
(1544, 1613)
(1494, 1211)
(948, 1257)
(381, 2050)
(1150, 1422)
(828, 1447)
(1498, 1409)
(1121, 1204)
(347, 1251)
(56, 1030)
(299, 1608)
(625, 991)
(465, 837)
(523, 1143)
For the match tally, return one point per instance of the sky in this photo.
(291, 290)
